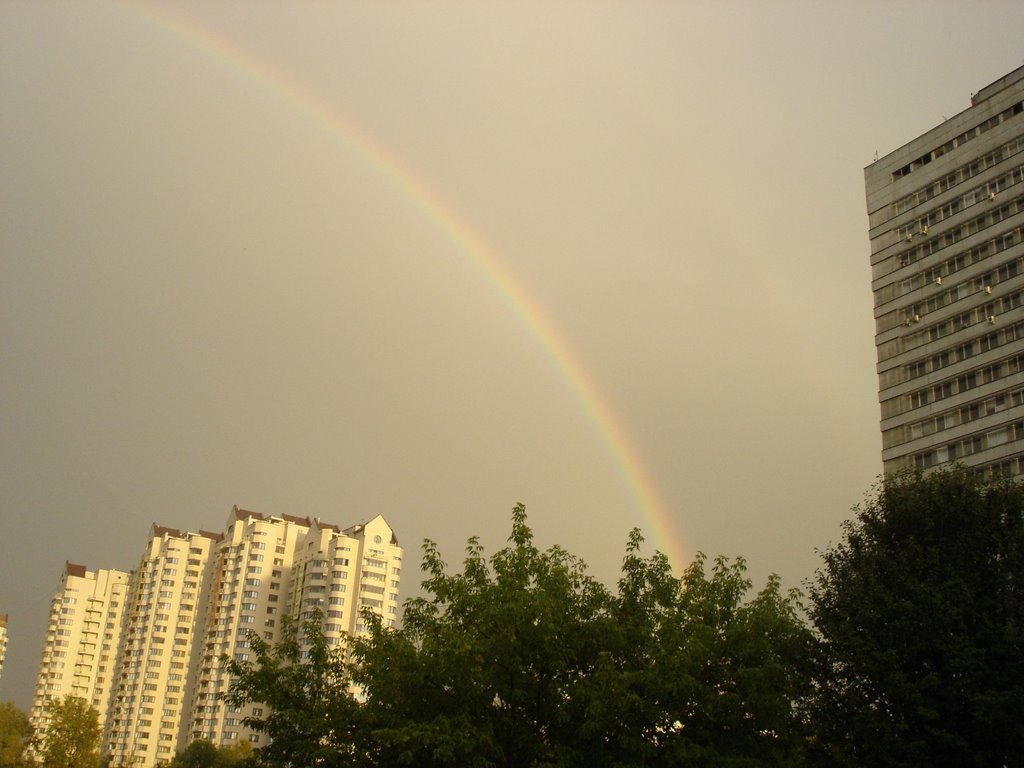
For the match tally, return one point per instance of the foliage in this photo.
(204, 754)
(486, 671)
(697, 676)
(522, 659)
(15, 735)
(72, 734)
(312, 717)
(920, 610)
(201, 753)
(235, 754)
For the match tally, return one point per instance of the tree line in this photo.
(907, 652)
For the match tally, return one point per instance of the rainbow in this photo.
(483, 259)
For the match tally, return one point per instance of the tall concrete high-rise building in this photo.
(946, 218)
(159, 647)
(271, 567)
(251, 571)
(83, 638)
(3, 641)
(145, 648)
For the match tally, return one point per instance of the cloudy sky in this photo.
(430, 259)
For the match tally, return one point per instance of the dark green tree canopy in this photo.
(15, 736)
(919, 610)
(522, 659)
(202, 753)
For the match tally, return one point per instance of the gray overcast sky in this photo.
(211, 295)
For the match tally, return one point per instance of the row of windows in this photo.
(1011, 466)
(969, 445)
(935, 274)
(953, 236)
(912, 313)
(951, 356)
(987, 312)
(965, 414)
(985, 192)
(961, 174)
(959, 384)
(958, 141)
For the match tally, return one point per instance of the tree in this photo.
(202, 753)
(72, 737)
(312, 716)
(523, 659)
(698, 673)
(235, 754)
(486, 671)
(15, 735)
(920, 612)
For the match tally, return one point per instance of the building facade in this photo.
(158, 648)
(946, 218)
(145, 648)
(83, 640)
(3, 641)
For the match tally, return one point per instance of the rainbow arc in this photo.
(482, 258)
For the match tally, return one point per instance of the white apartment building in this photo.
(169, 590)
(83, 637)
(193, 600)
(946, 217)
(250, 580)
(3, 640)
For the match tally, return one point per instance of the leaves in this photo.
(313, 718)
(523, 659)
(919, 609)
(72, 734)
(15, 736)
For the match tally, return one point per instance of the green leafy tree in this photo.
(72, 734)
(312, 716)
(235, 754)
(697, 673)
(202, 753)
(522, 659)
(920, 612)
(484, 672)
(15, 736)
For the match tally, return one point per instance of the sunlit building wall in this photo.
(946, 217)
(341, 572)
(146, 648)
(3, 641)
(83, 636)
(169, 591)
(251, 578)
